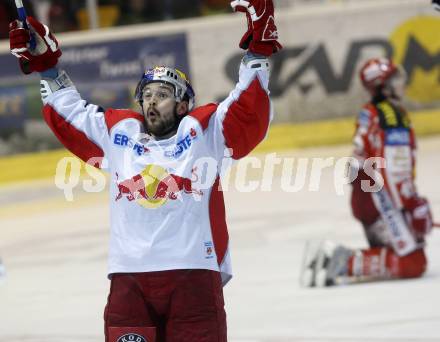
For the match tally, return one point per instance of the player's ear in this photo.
(182, 108)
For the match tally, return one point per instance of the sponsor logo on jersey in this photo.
(364, 118)
(182, 146)
(154, 186)
(123, 140)
(397, 137)
(132, 337)
(209, 250)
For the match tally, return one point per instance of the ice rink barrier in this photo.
(314, 83)
(314, 77)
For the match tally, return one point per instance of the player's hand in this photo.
(420, 215)
(46, 52)
(262, 34)
(436, 4)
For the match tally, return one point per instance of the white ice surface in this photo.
(56, 286)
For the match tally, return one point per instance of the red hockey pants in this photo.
(183, 305)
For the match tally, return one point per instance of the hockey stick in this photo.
(22, 17)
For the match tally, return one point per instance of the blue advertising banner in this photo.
(119, 60)
(123, 60)
(105, 73)
(12, 109)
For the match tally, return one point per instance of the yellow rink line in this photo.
(34, 166)
(53, 204)
(334, 132)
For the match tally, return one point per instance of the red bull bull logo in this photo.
(154, 186)
(132, 188)
(171, 185)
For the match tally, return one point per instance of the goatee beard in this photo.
(163, 127)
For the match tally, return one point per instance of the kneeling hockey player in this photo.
(395, 218)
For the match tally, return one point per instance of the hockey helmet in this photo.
(377, 73)
(174, 77)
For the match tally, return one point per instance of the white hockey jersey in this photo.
(167, 208)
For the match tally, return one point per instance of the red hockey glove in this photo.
(420, 216)
(46, 53)
(262, 34)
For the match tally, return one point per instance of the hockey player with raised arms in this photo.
(395, 219)
(169, 247)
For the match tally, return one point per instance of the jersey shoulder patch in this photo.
(364, 117)
(114, 116)
(367, 115)
(203, 113)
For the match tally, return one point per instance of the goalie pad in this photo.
(131, 334)
(400, 236)
(326, 264)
